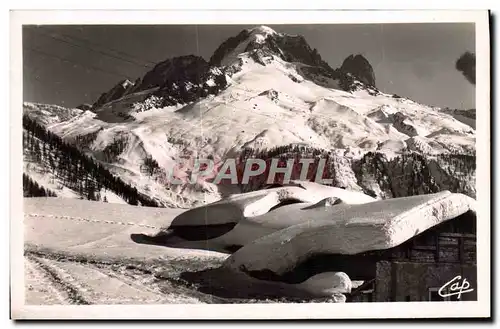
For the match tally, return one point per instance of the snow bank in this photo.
(349, 229)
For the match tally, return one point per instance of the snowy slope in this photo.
(47, 114)
(40, 167)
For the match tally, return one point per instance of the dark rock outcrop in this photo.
(183, 68)
(85, 107)
(291, 49)
(184, 79)
(178, 80)
(227, 46)
(118, 91)
(360, 68)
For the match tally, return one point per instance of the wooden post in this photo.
(461, 249)
(394, 281)
(436, 255)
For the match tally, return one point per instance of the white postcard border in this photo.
(481, 308)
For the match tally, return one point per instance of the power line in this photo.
(95, 50)
(74, 38)
(77, 63)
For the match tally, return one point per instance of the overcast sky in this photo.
(68, 65)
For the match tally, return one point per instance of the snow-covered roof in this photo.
(239, 206)
(349, 229)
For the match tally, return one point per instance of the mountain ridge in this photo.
(260, 42)
(261, 99)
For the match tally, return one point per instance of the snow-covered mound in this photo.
(349, 229)
(327, 284)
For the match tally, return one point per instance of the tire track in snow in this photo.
(164, 290)
(61, 281)
(39, 284)
(124, 282)
(135, 284)
(140, 283)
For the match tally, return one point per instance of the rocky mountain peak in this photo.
(262, 30)
(360, 68)
(192, 75)
(264, 40)
(174, 69)
(173, 78)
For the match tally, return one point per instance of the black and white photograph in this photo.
(340, 164)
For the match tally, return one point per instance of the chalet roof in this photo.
(349, 229)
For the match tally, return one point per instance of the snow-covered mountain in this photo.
(268, 93)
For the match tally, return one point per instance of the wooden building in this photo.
(418, 268)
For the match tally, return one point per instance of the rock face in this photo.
(227, 46)
(290, 48)
(178, 81)
(183, 68)
(85, 107)
(360, 68)
(118, 91)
